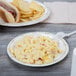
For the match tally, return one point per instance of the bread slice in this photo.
(6, 14)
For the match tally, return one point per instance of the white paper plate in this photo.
(62, 44)
(45, 16)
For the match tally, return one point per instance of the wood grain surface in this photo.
(10, 68)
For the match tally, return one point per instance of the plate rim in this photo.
(34, 65)
(42, 18)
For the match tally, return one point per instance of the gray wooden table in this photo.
(9, 68)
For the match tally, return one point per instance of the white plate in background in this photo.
(42, 18)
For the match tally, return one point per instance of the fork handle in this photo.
(70, 34)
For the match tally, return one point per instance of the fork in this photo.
(63, 35)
